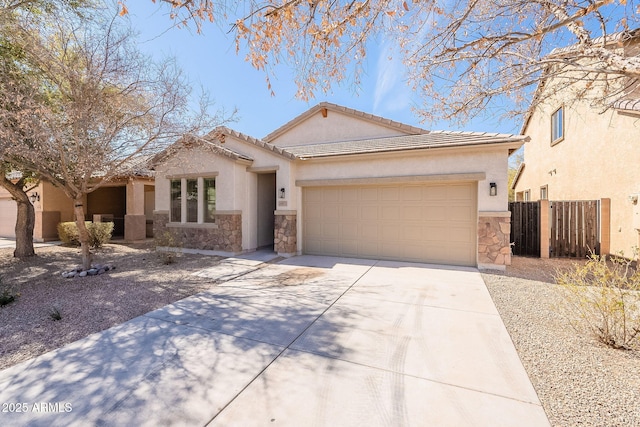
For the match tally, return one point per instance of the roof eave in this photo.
(509, 145)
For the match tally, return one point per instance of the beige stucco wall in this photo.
(599, 157)
(335, 127)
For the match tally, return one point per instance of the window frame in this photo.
(555, 139)
(526, 195)
(194, 203)
(544, 192)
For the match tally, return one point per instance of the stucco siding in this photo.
(599, 157)
(334, 127)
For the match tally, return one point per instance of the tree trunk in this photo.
(25, 222)
(26, 218)
(78, 209)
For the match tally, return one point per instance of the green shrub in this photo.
(99, 233)
(603, 296)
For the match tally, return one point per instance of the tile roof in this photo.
(627, 104)
(606, 41)
(435, 139)
(345, 110)
(219, 133)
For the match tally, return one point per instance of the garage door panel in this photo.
(369, 194)
(414, 222)
(390, 212)
(349, 231)
(435, 192)
(370, 213)
(390, 194)
(349, 194)
(412, 213)
(412, 194)
(313, 195)
(331, 230)
(350, 212)
(368, 249)
(349, 248)
(8, 216)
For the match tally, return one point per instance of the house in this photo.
(578, 152)
(336, 181)
(128, 202)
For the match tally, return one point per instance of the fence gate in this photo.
(525, 228)
(575, 227)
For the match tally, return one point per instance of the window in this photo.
(193, 200)
(209, 207)
(527, 195)
(176, 201)
(557, 126)
(544, 192)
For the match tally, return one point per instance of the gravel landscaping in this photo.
(578, 380)
(140, 283)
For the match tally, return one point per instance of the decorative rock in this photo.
(101, 271)
(92, 272)
(82, 274)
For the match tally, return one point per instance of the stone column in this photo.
(494, 232)
(285, 233)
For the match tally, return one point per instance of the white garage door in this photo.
(8, 213)
(422, 223)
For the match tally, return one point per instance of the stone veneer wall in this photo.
(226, 237)
(285, 233)
(494, 232)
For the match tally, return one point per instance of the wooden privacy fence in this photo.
(525, 228)
(575, 228)
(560, 228)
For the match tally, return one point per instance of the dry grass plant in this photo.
(603, 297)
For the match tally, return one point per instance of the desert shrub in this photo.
(54, 314)
(603, 297)
(99, 233)
(168, 247)
(7, 295)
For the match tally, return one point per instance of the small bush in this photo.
(7, 295)
(604, 297)
(55, 314)
(171, 247)
(99, 233)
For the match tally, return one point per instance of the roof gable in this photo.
(192, 141)
(327, 122)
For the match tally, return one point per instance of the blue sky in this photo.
(210, 61)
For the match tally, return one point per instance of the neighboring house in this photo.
(577, 152)
(336, 181)
(128, 202)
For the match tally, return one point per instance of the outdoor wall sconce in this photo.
(493, 189)
(282, 193)
(35, 197)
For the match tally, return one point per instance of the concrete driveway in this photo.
(310, 341)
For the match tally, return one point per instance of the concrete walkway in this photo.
(6, 242)
(308, 341)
